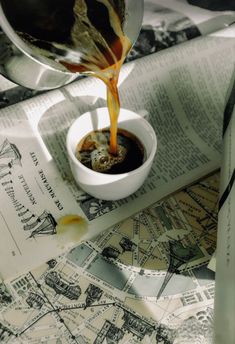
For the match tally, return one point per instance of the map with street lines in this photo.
(145, 280)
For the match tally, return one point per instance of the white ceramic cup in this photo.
(110, 186)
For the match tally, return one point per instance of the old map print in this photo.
(143, 281)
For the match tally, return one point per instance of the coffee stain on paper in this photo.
(71, 228)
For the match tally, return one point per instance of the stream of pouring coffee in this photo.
(103, 52)
(85, 36)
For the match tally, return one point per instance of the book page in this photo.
(225, 252)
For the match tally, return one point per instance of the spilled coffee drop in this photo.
(71, 229)
(93, 152)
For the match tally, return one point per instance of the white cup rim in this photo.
(111, 176)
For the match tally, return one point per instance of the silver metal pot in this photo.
(25, 66)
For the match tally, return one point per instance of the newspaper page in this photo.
(170, 22)
(182, 89)
(145, 280)
(33, 197)
(225, 252)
